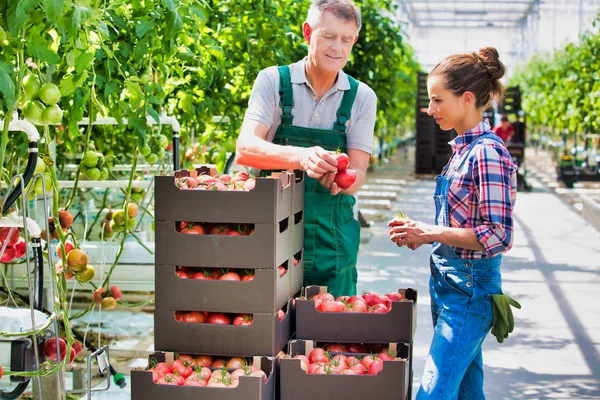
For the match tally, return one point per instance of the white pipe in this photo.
(164, 120)
(21, 125)
(14, 220)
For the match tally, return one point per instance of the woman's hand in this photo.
(406, 232)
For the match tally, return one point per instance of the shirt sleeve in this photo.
(492, 177)
(360, 134)
(262, 106)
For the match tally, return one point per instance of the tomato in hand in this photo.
(343, 161)
(346, 178)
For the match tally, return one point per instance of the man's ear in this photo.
(307, 31)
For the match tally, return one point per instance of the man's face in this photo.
(330, 42)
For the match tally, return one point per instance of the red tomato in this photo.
(340, 358)
(179, 368)
(156, 375)
(219, 230)
(336, 348)
(313, 368)
(323, 296)
(182, 275)
(219, 319)
(348, 372)
(187, 360)
(14, 237)
(215, 273)
(351, 361)
(379, 309)
(248, 275)
(318, 355)
(194, 317)
(229, 276)
(304, 360)
(193, 229)
(375, 367)
(370, 298)
(243, 320)
(180, 380)
(68, 247)
(343, 161)
(9, 254)
(50, 349)
(116, 292)
(192, 382)
(240, 176)
(358, 306)
(168, 379)
(202, 275)
(337, 367)
(20, 248)
(236, 362)
(282, 270)
(395, 296)
(234, 233)
(343, 299)
(368, 360)
(219, 364)
(204, 361)
(386, 356)
(0, 371)
(98, 295)
(163, 367)
(332, 306)
(359, 369)
(280, 315)
(346, 178)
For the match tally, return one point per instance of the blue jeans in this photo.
(461, 307)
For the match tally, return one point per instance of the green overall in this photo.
(331, 233)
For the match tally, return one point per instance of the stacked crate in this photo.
(395, 329)
(274, 209)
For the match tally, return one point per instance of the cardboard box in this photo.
(268, 247)
(250, 387)
(298, 192)
(265, 337)
(398, 325)
(297, 273)
(390, 384)
(269, 202)
(267, 293)
(298, 230)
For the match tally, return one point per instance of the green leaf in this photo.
(66, 86)
(152, 112)
(80, 15)
(110, 88)
(53, 9)
(199, 13)
(39, 49)
(7, 87)
(143, 26)
(17, 13)
(169, 4)
(82, 62)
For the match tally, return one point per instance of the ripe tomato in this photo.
(394, 296)
(375, 367)
(248, 275)
(386, 356)
(379, 309)
(243, 320)
(323, 296)
(318, 355)
(356, 348)
(20, 248)
(68, 247)
(358, 369)
(187, 360)
(234, 233)
(194, 317)
(280, 315)
(203, 275)
(282, 270)
(351, 361)
(14, 237)
(347, 372)
(108, 303)
(346, 178)
(219, 319)
(358, 306)
(240, 176)
(9, 254)
(167, 379)
(179, 368)
(219, 230)
(220, 363)
(336, 348)
(182, 275)
(304, 361)
(194, 229)
(215, 273)
(116, 292)
(204, 361)
(332, 306)
(236, 362)
(156, 375)
(50, 349)
(343, 161)
(192, 382)
(368, 360)
(229, 276)
(163, 367)
(99, 295)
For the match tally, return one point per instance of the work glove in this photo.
(503, 322)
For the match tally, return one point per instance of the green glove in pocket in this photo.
(503, 322)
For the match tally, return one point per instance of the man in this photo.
(505, 130)
(296, 115)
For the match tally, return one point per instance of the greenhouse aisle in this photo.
(553, 270)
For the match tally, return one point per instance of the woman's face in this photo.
(447, 108)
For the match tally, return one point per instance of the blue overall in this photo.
(461, 308)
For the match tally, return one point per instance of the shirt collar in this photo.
(467, 138)
(299, 76)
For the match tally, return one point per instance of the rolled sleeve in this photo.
(262, 104)
(492, 179)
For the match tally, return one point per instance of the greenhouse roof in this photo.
(468, 13)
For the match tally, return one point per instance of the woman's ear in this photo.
(468, 99)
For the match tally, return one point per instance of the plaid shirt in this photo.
(482, 195)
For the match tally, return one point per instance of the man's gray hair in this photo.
(343, 9)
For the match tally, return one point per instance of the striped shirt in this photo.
(483, 194)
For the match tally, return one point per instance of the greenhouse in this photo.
(234, 197)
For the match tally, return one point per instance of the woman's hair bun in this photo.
(491, 62)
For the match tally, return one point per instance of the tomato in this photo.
(280, 315)
(368, 360)
(346, 178)
(386, 356)
(358, 306)
(151, 158)
(234, 233)
(347, 372)
(343, 161)
(220, 363)
(202, 275)
(304, 361)
(356, 348)
(194, 229)
(248, 275)
(49, 94)
(194, 317)
(243, 320)
(337, 367)
(52, 115)
(31, 85)
(192, 382)
(312, 368)
(204, 361)
(109, 303)
(229, 276)
(163, 367)
(282, 270)
(68, 247)
(219, 230)
(201, 375)
(351, 361)
(323, 296)
(340, 358)
(379, 309)
(87, 274)
(375, 367)
(9, 254)
(116, 292)
(358, 369)
(343, 299)
(240, 176)
(219, 319)
(90, 159)
(332, 306)
(318, 355)
(99, 295)
(77, 260)
(14, 237)
(182, 275)
(156, 375)
(50, 349)
(163, 141)
(336, 348)
(167, 379)
(215, 273)
(235, 375)
(249, 184)
(179, 368)
(236, 362)
(65, 218)
(395, 296)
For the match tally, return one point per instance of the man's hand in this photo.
(317, 162)
(406, 232)
(327, 180)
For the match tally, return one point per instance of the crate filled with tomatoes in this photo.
(187, 377)
(193, 330)
(311, 372)
(367, 318)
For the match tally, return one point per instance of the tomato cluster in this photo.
(221, 274)
(155, 147)
(65, 219)
(217, 318)
(93, 165)
(187, 370)
(321, 361)
(345, 177)
(46, 111)
(115, 221)
(197, 228)
(15, 246)
(368, 302)
(51, 351)
(107, 298)
(76, 263)
(238, 181)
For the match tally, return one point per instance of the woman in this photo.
(474, 199)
